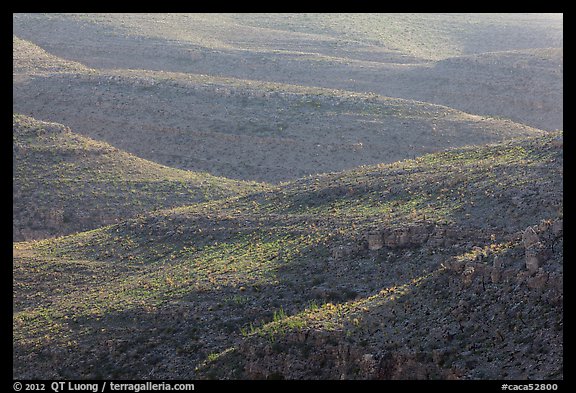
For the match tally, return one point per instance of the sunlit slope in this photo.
(29, 59)
(64, 182)
(395, 55)
(424, 36)
(522, 85)
(223, 289)
(462, 304)
(247, 129)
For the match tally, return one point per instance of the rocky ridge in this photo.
(476, 309)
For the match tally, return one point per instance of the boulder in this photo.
(338, 252)
(535, 256)
(404, 238)
(321, 292)
(468, 274)
(538, 281)
(496, 275)
(557, 227)
(391, 239)
(497, 262)
(529, 237)
(496, 272)
(375, 241)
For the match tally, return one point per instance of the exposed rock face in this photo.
(410, 236)
(341, 360)
(529, 237)
(557, 227)
(344, 251)
(535, 257)
(538, 241)
(496, 272)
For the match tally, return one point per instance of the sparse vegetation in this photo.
(397, 237)
(252, 250)
(64, 182)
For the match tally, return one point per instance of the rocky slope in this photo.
(368, 258)
(446, 266)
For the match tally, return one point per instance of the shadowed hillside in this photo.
(447, 266)
(394, 55)
(64, 182)
(288, 196)
(246, 129)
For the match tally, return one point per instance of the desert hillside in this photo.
(301, 196)
(64, 182)
(447, 266)
(246, 129)
(395, 55)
